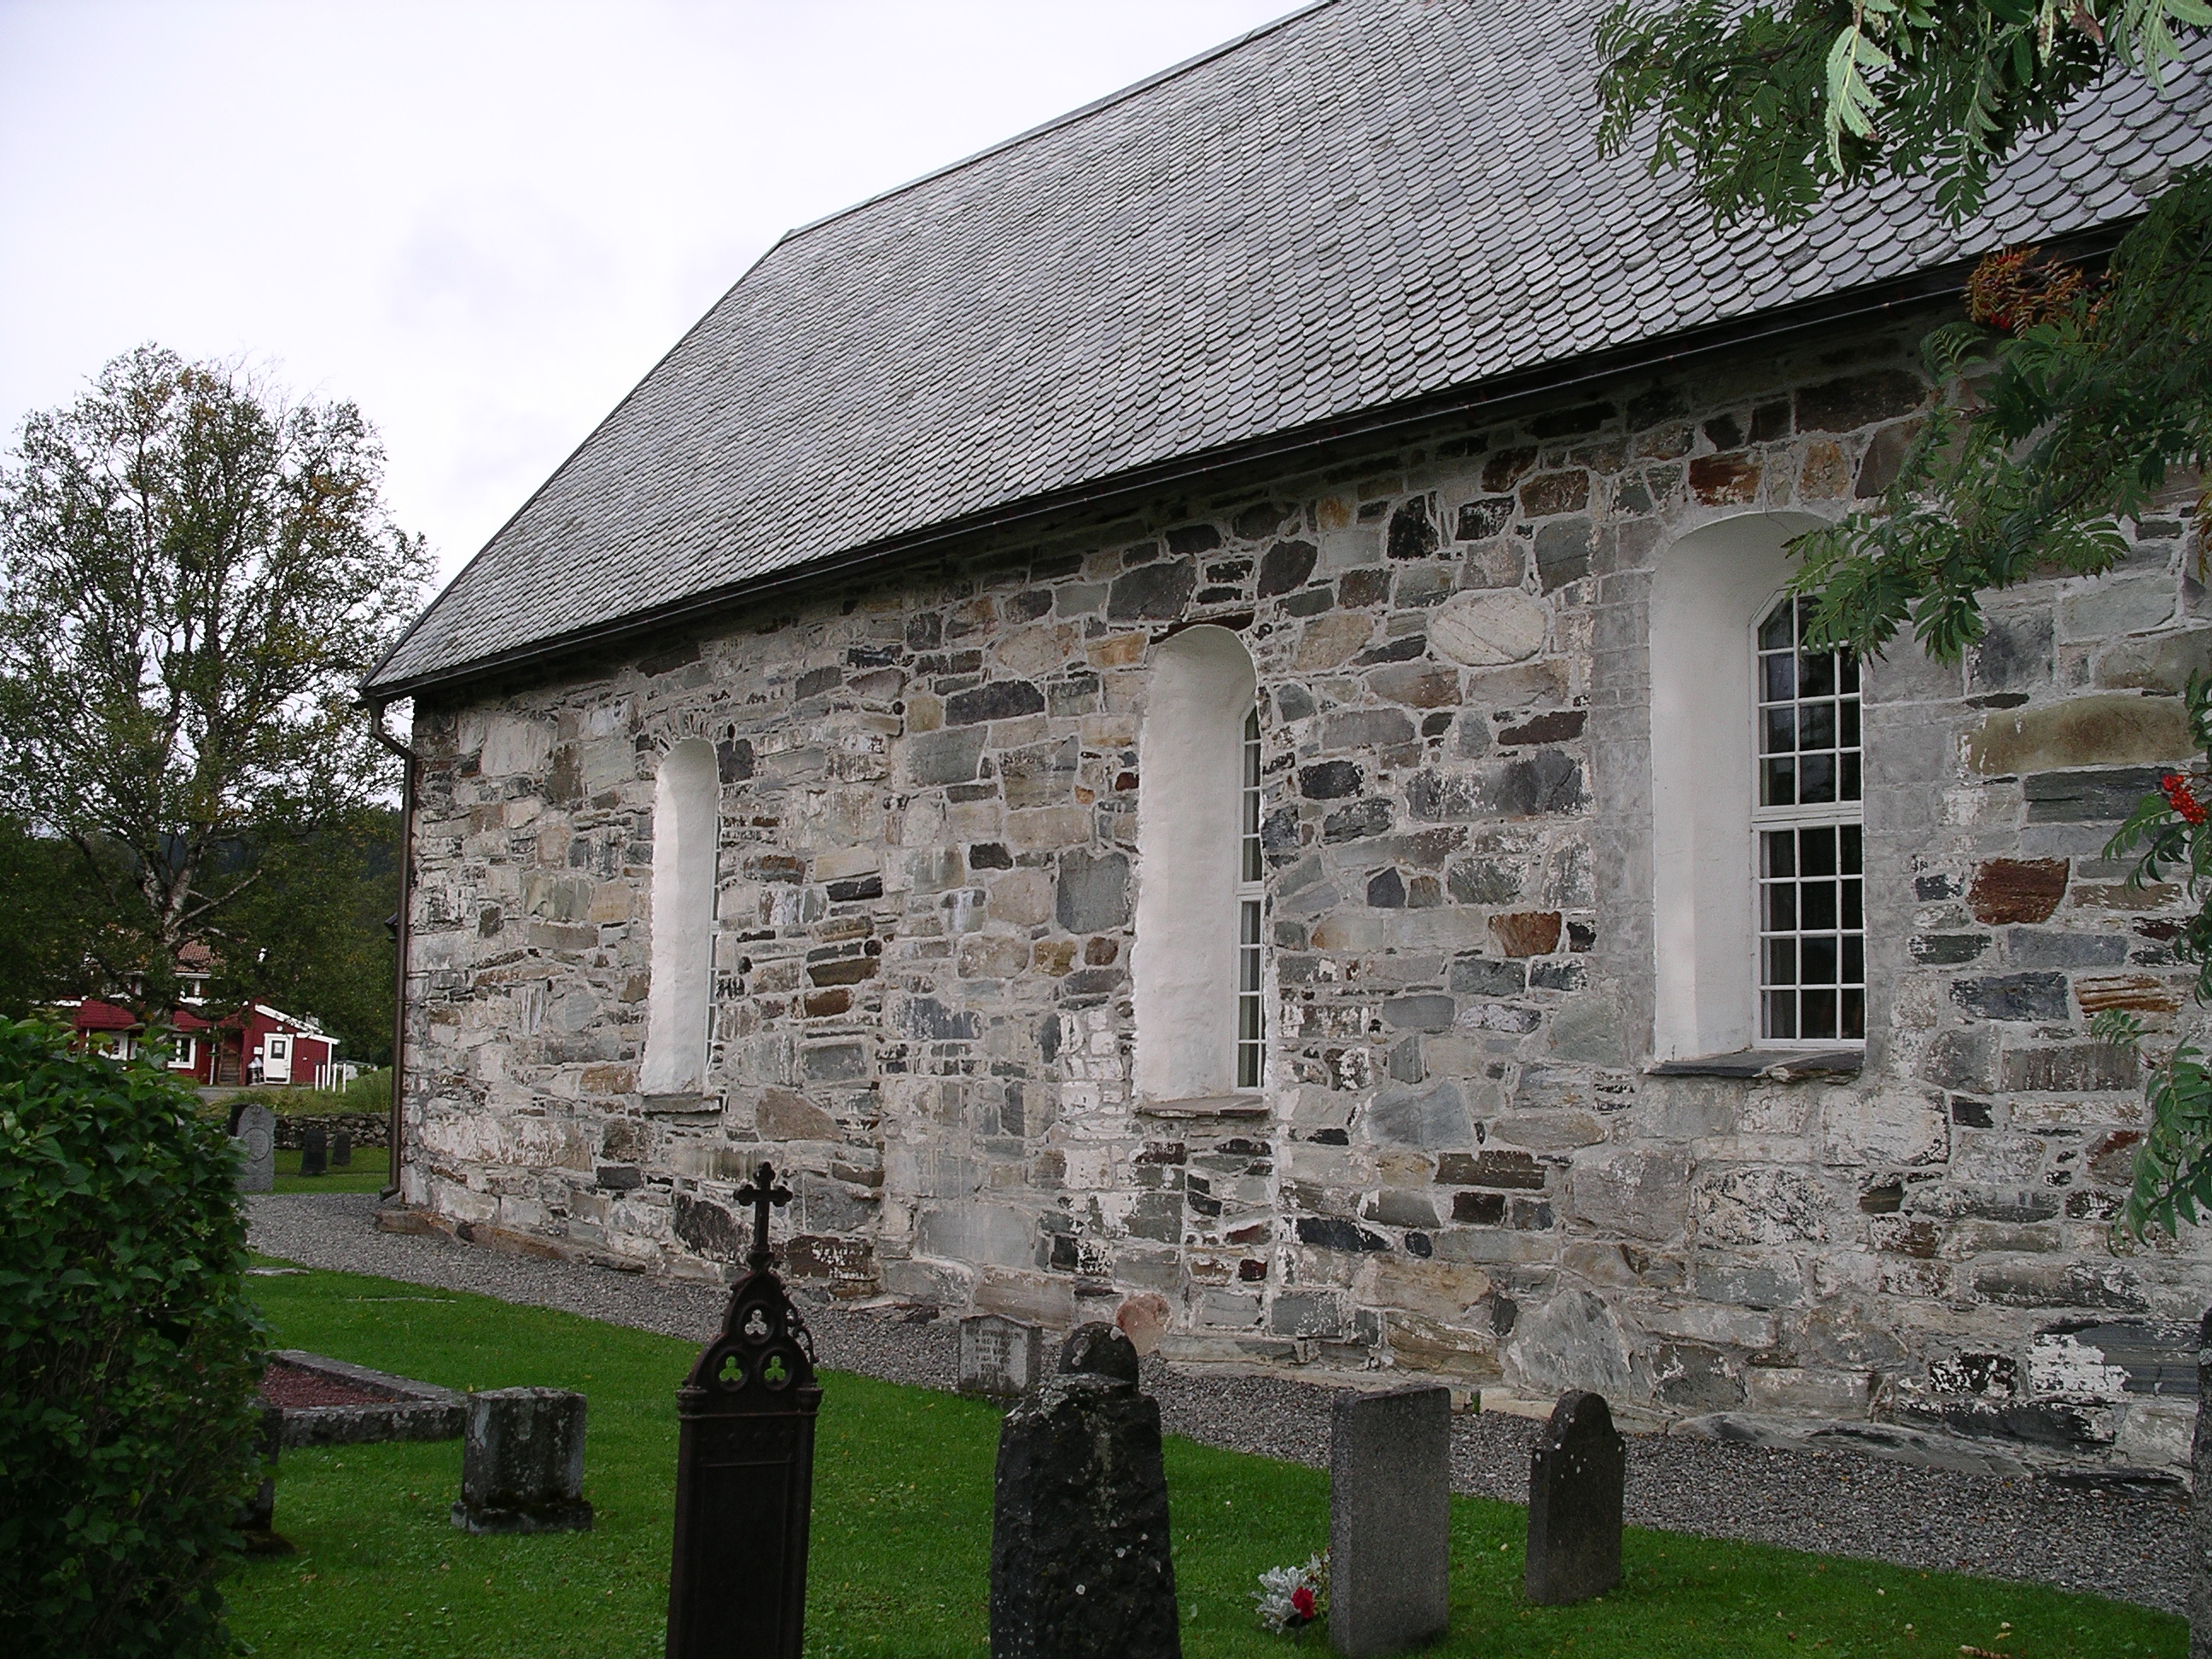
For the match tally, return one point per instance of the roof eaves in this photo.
(1500, 394)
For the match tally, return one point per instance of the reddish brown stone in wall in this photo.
(2135, 992)
(1724, 480)
(1504, 470)
(1555, 492)
(2017, 890)
(1526, 933)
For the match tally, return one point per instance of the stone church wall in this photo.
(927, 872)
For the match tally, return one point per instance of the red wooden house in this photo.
(258, 1044)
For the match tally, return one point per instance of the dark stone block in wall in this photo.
(2014, 996)
(2052, 947)
(1080, 1567)
(1562, 726)
(1413, 531)
(1329, 780)
(1526, 933)
(1504, 470)
(2097, 796)
(733, 759)
(2079, 1067)
(1371, 817)
(709, 1228)
(1481, 976)
(1152, 593)
(1577, 1478)
(1419, 1014)
(1563, 551)
(1547, 494)
(817, 681)
(618, 1177)
(1359, 589)
(1884, 458)
(1193, 538)
(1386, 890)
(1092, 891)
(1389, 1520)
(1328, 1232)
(1857, 400)
(1962, 1059)
(662, 662)
(1286, 566)
(942, 757)
(1000, 700)
(1948, 950)
(1485, 517)
(1769, 422)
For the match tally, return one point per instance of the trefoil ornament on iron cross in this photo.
(763, 1194)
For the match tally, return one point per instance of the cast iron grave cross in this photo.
(761, 1194)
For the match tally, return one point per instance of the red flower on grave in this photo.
(2175, 788)
(1302, 1601)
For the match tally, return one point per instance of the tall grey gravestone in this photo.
(314, 1151)
(255, 1134)
(999, 1356)
(341, 1150)
(1389, 1520)
(1079, 1561)
(522, 1463)
(2200, 1504)
(1576, 1476)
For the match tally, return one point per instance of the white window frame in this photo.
(1251, 920)
(1838, 814)
(186, 1053)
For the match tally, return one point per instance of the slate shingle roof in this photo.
(1368, 202)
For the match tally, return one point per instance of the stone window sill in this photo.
(1766, 1065)
(1205, 1106)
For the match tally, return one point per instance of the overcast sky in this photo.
(480, 221)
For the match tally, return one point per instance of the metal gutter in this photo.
(1493, 399)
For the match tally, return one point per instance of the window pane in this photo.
(1781, 848)
(1854, 1016)
(1782, 908)
(1781, 1013)
(1778, 634)
(1817, 960)
(1851, 917)
(1816, 726)
(1779, 783)
(1781, 679)
(1847, 722)
(1781, 962)
(1816, 848)
(1820, 906)
(1781, 730)
(1816, 676)
(1816, 778)
(1817, 1014)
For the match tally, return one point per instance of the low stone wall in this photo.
(367, 1128)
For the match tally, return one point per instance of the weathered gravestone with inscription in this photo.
(1576, 1477)
(253, 1133)
(1389, 1520)
(341, 1150)
(1079, 1561)
(1001, 1357)
(745, 1469)
(522, 1463)
(314, 1151)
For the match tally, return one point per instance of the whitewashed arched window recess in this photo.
(1199, 960)
(679, 1006)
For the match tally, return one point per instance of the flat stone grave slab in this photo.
(329, 1402)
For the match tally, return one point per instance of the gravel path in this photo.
(2128, 1546)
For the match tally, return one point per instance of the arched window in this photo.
(686, 826)
(1811, 921)
(1197, 960)
(1728, 853)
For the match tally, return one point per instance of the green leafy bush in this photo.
(370, 1092)
(128, 1358)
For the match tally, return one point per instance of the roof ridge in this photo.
(1078, 113)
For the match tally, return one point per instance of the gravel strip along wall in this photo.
(2128, 1546)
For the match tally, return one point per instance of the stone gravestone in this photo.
(314, 1151)
(522, 1463)
(256, 1521)
(253, 1132)
(1079, 1562)
(2200, 1503)
(1575, 1480)
(745, 1469)
(341, 1150)
(1002, 1357)
(1389, 1520)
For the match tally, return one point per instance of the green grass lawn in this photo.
(902, 1524)
(368, 1172)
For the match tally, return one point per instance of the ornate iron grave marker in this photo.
(745, 1469)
